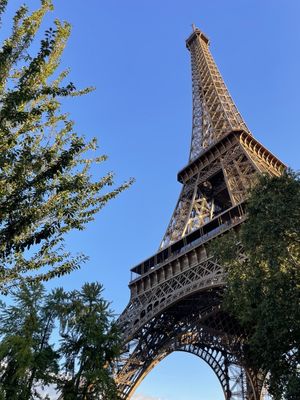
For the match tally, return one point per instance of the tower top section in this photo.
(214, 112)
(195, 34)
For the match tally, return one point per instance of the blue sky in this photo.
(134, 53)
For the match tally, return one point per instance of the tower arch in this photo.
(236, 381)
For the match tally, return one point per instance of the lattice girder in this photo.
(214, 112)
(208, 336)
(238, 157)
(150, 302)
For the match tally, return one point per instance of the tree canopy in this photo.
(263, 269)
(46, 189)
(78, 364)
(90, 345)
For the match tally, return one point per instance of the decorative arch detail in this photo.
(237, 382)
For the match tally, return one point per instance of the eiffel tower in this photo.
(176, 294)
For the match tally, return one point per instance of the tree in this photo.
(263, 290)
(46, 188)
(89, 346)
(28, 360)
(80, 367)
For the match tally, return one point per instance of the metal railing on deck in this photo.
(216, 226)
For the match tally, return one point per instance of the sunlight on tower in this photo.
(184, 374)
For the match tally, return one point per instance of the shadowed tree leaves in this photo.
(80, 366)
(46, 188)
(28, 360)
(89, 346)
(264, 286)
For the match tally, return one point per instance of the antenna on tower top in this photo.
(194, 27)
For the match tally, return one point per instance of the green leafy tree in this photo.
(264, 284)
(46, 189)
(28, 360)
(80, 366)
(89, 346)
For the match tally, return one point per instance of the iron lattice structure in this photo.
(176, 294)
